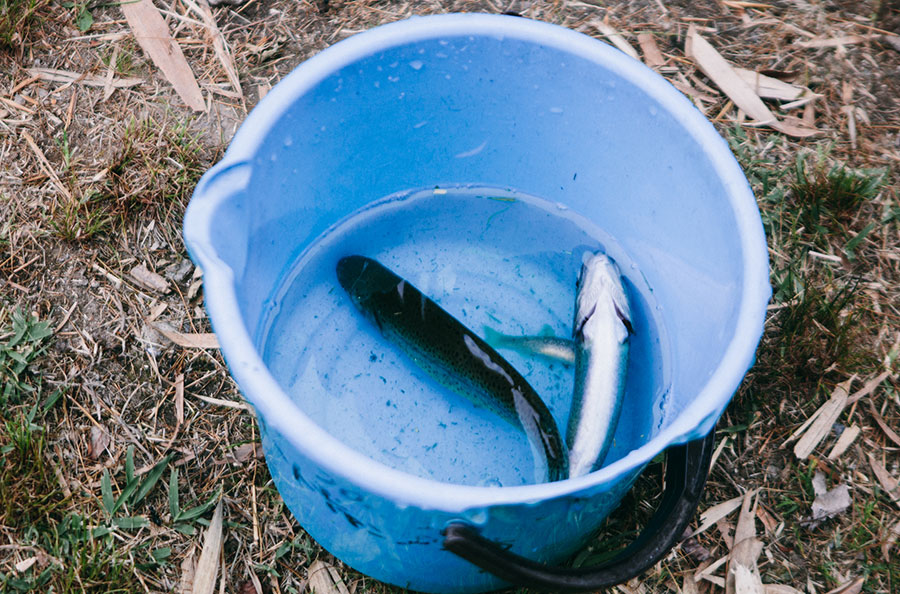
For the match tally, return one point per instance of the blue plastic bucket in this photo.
(493, 101)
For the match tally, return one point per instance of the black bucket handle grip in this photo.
(687, 466)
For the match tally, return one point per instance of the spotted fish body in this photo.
(601, 332)
(453, 355)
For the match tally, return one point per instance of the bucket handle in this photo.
(687, 466)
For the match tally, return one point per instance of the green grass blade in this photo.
(130, 523)
(196, 512)
(106, 493)
(126, 493)
(174, 508)
(151, 480)
(129, 464)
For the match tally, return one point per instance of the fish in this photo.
(554, 348)
(453, 355)
(601, 330)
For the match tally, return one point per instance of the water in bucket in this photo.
(491, 258)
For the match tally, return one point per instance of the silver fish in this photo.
(601, 331)
(549, 347)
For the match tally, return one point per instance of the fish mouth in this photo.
(349, 270)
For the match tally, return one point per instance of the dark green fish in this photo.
(452, 354)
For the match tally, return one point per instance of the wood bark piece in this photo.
(723, 74)
(152, 34)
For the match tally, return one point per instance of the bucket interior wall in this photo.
(508, 113)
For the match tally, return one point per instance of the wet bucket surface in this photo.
(488, 109)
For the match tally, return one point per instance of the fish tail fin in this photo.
(494, 338)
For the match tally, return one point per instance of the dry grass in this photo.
(115, 443)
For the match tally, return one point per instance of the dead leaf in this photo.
(694, 549)
(888, 483)
(745, 552)
(780, 589)
(826, 415)
(149, 279)
(891, 434)
(45, 165)
(244, 452)
(844, 441)
(25, 564)
(851, 587)
(893, 41)
(152, 34)
(615, 37)
(179, 400)
(717, 512)
(325, 579)
(890, 541)
(652, 56)
(188, 567)
(836, 41)
(67, 76)
(208, 566)
(769, 522)
(689, 584)
(723, 74)
(747, 580)
(869, 387)
(223, 52)
(768, 87)
(99, 442)
(828, 503)
(188, 341)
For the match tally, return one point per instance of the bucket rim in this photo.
(282, 415)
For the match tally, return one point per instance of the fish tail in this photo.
(494, 338)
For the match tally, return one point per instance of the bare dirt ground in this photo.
(99, 156)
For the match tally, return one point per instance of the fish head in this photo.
(600, 287)
(366, 280)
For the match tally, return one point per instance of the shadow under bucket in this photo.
(477, 156)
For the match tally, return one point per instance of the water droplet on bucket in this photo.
(653, 110)
(556, 110)
(288, 141)
(416, 64)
